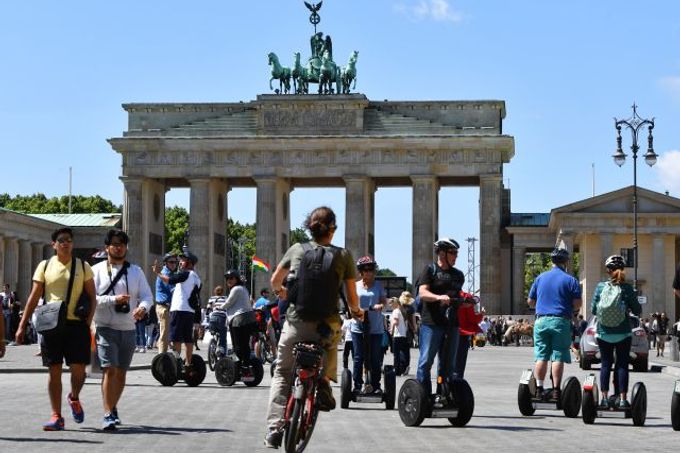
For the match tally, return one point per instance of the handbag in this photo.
(50, 317)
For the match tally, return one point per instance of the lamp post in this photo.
(635, 124)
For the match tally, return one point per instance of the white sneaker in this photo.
(142, 350)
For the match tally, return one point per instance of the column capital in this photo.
(424, 179)
(491, 178)
(265, 179)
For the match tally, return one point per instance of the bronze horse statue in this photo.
(279, 72)
(329, 73)
(300, 76)
(349, 73)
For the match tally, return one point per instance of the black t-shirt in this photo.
(439, 282)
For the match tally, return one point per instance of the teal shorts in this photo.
(552, 339)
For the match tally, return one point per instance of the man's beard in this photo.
(118, 258)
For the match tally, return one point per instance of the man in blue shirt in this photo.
(163, 299)
(556, 295)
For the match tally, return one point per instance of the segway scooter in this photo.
(366, 395)
(228, 370)
(591, 408)
(168, 368)
(675, 407)
(569, 401)
(452, 400)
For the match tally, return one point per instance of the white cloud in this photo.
(671, 85)
(668, 169)
(436, 10)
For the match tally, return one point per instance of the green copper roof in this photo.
(82, 220)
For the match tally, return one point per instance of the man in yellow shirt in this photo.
(72, 341)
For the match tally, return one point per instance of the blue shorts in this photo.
(552, 339)
(115, 347)
(181, 327)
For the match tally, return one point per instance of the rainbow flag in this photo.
(260, 264)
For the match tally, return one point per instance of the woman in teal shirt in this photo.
(611, 302)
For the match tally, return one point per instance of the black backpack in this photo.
(315, 288)
(195, 298)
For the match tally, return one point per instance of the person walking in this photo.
(399, 330)
(63, 279)
(7, 299)
(661, 334)
(612, 299)
(123, 302)
(163, 299)
(556, 295)
(310, 320)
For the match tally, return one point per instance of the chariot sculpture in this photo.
(320, 67)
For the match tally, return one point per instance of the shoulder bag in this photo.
(50, 317)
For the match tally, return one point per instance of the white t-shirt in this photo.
(183, 289)
(400, 330)
(347, 331)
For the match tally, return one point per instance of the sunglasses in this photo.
(452, 252)
(64, 240)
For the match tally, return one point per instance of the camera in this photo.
(122, 308)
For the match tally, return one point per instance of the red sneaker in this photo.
(56, 423)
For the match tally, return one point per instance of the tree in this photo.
(176, 226)
(386, 272)
(298, 235)
(39, 204)
(536, 263)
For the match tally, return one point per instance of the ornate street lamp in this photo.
(634, 124)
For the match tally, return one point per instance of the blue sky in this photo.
(564, 69)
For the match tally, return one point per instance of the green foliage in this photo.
(176, 225)
(536, 263)
(298, 235)
(39, 204)
(386, 272)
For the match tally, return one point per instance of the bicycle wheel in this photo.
(292, 430)
(307, 423)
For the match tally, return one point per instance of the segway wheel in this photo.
(164, 369)
(588, 407)
(675, 407)
(390, 387)
(638, 404)
(225, 371)
(571, 397)
(413, 403)
(345, 388)
(524, 400)
(258, 373)
(465, 401)
(198, 371)
(212, 355)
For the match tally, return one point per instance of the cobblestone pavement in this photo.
(212, 418)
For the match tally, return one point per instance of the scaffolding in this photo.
(470, 275)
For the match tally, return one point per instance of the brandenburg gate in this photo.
(279, 142)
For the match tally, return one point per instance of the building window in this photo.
(629, 257)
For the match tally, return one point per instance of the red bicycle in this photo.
(301, 409)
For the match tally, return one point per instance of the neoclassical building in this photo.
(601, 226)
(25, 241)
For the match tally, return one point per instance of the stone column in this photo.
(490, 192)
(359, 215)
(272, 225)
(24, 274)
(425, 221)
(207, 228)
(144, 221)
(606, 250)
(567, 242)
(11, 262)
(658, 287)
(519, 302)
(37, 254)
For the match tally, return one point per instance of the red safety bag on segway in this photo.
(314, 291)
